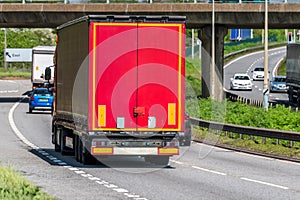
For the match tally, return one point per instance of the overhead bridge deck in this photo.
(232, 15)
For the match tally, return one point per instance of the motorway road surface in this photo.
(200, 172)
(246, 64)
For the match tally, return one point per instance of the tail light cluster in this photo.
(170, 144)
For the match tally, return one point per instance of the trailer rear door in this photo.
(136, 76)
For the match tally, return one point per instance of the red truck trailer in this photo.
(119, 87)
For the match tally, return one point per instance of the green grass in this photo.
(25, 75)
(15, 187)
(193, 77)
(15, 73)
(247, 142)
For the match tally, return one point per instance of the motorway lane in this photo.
(202, 172)
(56, 180)
(246, 63)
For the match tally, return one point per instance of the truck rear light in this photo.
(170, 144)
(100, 143)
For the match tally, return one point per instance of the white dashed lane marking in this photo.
(106, 184)
(265, 183)
(208, 170)
(8, 91)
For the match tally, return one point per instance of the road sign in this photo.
(18, 55)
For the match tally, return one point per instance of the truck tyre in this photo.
(55, 139)
(187, 142)
(87, 158)
(30, 109)
(290, 94)
(77, 148)
(298, 99)
(62, 134)
(158, 160)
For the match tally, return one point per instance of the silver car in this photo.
(278, 84)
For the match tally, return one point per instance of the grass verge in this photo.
(254, 143)
(15, 187)
(12, 75)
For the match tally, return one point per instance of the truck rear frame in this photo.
(120, 87)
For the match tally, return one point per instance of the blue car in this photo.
(41, 98)
(278, 84)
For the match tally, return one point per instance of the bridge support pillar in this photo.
(212, 86)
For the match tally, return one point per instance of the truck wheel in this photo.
(87, 158)
(62, 135)
(187, 143)
(77, 148)
(298, 99)
(290, 95)
(30, 109)
(55, 140)
(158, 160)
(80, 150)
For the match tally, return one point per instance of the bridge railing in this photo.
(145, 1)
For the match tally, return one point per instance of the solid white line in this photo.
(265, 183)
(254, 156)
(15, 129)
(208, 170)
(275, 49)
(71, 168)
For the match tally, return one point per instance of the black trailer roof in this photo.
(125, 18)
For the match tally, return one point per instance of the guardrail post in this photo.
(241, 136)
(277, 141)
(291, 143)
(264, 140)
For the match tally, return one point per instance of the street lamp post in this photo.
(212, 74)
(266, 75)
(5, 45)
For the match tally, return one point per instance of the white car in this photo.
(240, 81)
(258, 73)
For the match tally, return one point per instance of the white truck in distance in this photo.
(42, 57)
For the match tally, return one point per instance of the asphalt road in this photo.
(200, 172)
(246, 64)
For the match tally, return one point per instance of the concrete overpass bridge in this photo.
(199, 16)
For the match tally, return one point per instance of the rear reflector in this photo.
(102, 115)
(171, 113)
(104, 150)
(168, 151)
